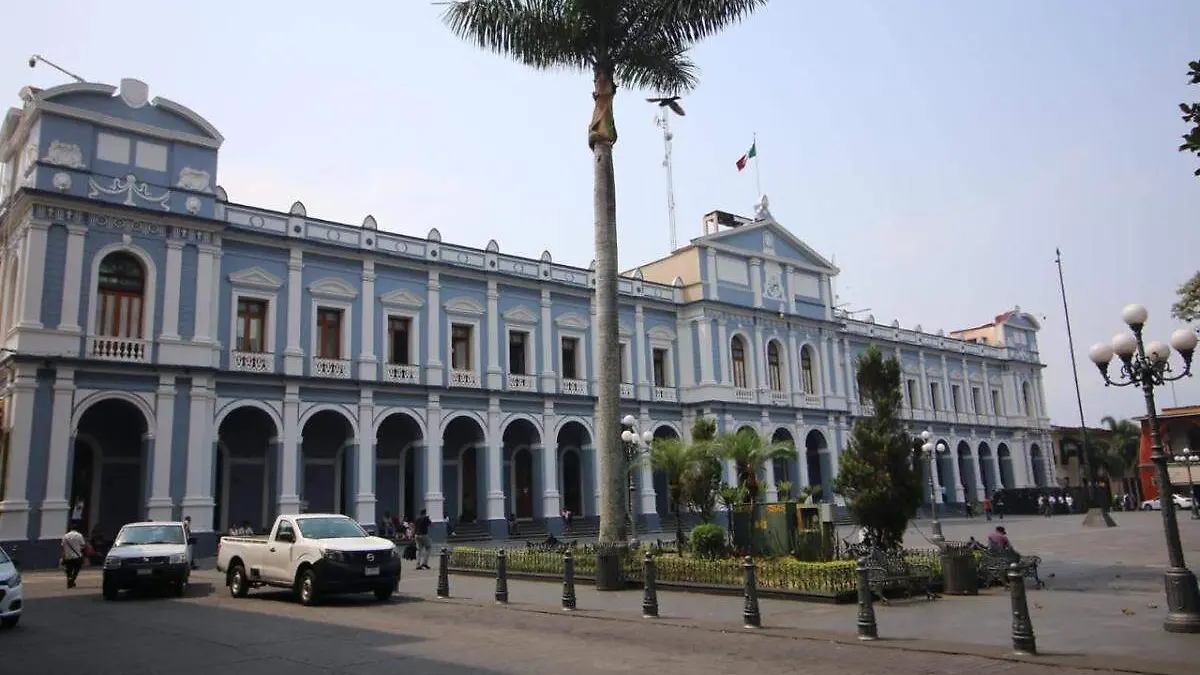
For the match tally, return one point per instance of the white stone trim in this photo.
(333, 288)
(250, 293)
(414, 333)
(581, 355)
(463, 306)
(346, 351)
(530, 336)
(256, 278)
(149, 291)
(520, 316)
(401, 298)
(669, 365)
(475, 324)
(69, 316)
(173, 283)
(571, 321)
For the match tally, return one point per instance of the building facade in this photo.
(169, 352)
(1178, 428)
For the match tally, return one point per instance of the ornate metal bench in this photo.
(993, 567)
(889, 570)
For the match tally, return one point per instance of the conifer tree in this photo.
(880, 472)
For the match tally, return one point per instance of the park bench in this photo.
(888, 570)
(994, 563)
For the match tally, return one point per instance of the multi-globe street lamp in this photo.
(1188, 457)
(931, 452)
(635, 445)
(1147, 366)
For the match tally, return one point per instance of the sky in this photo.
(938, 150)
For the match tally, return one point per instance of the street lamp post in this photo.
(1147, 366)
(930, 453)
(1189, 458)
(635, 444)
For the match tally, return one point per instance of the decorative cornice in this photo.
(661, 333)
(521, 314)
(401, 297)
(463, 305)
(255, 277)
(333, 288)
(571, 320)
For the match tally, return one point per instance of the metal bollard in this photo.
(867, 629)
(443, 582)
(1022, 627)
(750, 616)
(568, 598)
(502, 577)
(650, 596)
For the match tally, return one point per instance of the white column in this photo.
(550, 493)
(925, 396)
(367, 368)
(756, 281)
(712, 274)
(772, 492)
(433, 366)
(434, 498)
(170, 328)
(594, 352)
(55, 507)
(947, 391)
(825, 297)
(549, 382)
(14, 510)
(687, 364)
(293, 355)
(72, 280)
(495, 461)
(289, 452)
(649, 503)
(160, 506)
(204, 299)
(980, 493)
(954, 490)
(639, 352)
(987, 398)
(493, 336)
(364, 500)
(801, 450)
(821, 357)
(794, 372)
(706, 351)
(197, 500)
(723, 351)
(758, 352)
(789, 273)
(839, 389)
(33, 273)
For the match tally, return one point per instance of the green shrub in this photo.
(708, 541)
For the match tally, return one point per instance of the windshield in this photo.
(3, 556)
(329, 528)
(140, 535)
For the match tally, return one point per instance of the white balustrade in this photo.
(118, 349)
(573, 387)
(626, 390)
(665, 394)
(464, 378)
(252, 362)
(780, 398)
(744, 395)
(338, 369)
(402, 373)
(519, 382)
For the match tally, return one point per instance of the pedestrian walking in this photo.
(987, 509)
(73, 546)
(424, 545)
(191, 541)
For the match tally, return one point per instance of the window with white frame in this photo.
(462, 338)
(1027, 398)
(519, 349)
(660, 358)
(997, 403)
(914, 399)
(808, 375)
(253, 297)
(251, 325)
(977, 401)
(774, 366)
(569, 352)
(400, 340)
(332, 318)
(120, 297)
(935, 396)
(956, 397)
(329, 333)
(737, 358)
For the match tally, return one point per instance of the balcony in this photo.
(780, 398)
(338, 369)
(626, 390)
(573, 387)
(464, 378)
(521, 382)
(118, 349)
(743, 395)
(812, 401)
(664, 395)
(251, 362)
(401, 373)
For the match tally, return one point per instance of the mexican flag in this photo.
(752, 152)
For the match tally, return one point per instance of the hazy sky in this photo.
(940, 150)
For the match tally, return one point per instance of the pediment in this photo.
(768, 239)
(521, 314)
(463, 305)
(661, 333)
(623, 330)
(401, 297)
(571, 320)
(255, 277)
(333, 288)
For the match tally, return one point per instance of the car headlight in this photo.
(178, 558)
(396, 552)
(335, 556)
(12, 581)
(112, 563)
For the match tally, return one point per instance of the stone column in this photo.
(289, 452)
(825, 297)
(368, 369)
(198, 499)
(723, 351)
(687, 367)
(204, 296)
(549, 380)
(293, 354)
(364, 498)
(790, 275)
(493, 337)
(33, 273)
(73, 280)
(758, 352)
(801, 452)
(649, 503)
(756, 281)
(980, 492)
(639, 353)
(55, 506)
(954, 489)
(434, 498)
(171, 287)
(925, 394)
(706, 351)
(848, 368)
(160, 506)
(711, 262)
(433, 368)
(551, 497)
(495, 463)
(772, 492)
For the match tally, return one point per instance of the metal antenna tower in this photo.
(663, 121)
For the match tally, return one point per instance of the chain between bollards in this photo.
(1022, 627)
(568, 597)
(502, 577)
(750, 616)
(443, 581)
(867, 629)
(650, 596)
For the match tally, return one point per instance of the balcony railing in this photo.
(338, 369)
(520, 382)
(118, 349)
(812, 400)
(780, 398)
(665, 394)
(402, 373)
(626, 390)
(464, 378)
(743, 395)
(574, 387)
(252, 362)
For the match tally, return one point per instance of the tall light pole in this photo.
(1147, 366)
(666, 106)
(635, 446)
(931, 452)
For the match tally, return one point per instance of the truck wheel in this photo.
(179, 588)
(10, 621)
(384, 593)
(306, 588)
(239, 585)
(110, 591)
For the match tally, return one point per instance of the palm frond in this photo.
(686, 22)
(543, 34)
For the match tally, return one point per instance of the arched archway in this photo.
(808, 371)
(776, 367)
(737, 361)
(987, 470)
(816, 457)
(574, 461)
(522, 449)
(1038, 462)
(786, 470)
(246, 469)
(966, 472)
(399, 484)
(463, 444)
(109, 474)
(1007, 478)
(328, 466)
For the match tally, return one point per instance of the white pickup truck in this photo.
(313, 554)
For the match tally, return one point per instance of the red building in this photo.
(1179, 429)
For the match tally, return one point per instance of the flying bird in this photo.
(671, 102)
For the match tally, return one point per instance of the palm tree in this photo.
(637, 43)
(1126, 442)
(750, 453)
(677, 460)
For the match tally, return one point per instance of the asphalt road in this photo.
(75, 631)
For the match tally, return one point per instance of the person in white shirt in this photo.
(1070, 504)
(73, 545)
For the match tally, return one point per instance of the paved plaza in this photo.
(1102, 612)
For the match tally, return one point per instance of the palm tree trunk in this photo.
(601, 137)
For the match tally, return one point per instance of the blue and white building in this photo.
(170, 352)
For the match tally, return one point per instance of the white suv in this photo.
(11, 600)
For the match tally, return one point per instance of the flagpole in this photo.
(757, 175)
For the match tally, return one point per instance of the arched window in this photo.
(807, 377)
(774, 372)
(737, 354)
(119, 298)
(1027, 399)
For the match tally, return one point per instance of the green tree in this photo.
(1191, 115)
(880, 475)
(1187, 308)
(1126, 441)
(677, 460)
(642, 44)
(750, 453)
(703, 483)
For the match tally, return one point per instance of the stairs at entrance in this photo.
(466, 532)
